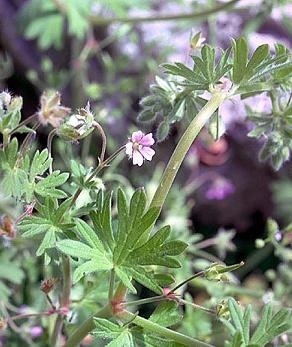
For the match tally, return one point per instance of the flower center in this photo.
(136, 146)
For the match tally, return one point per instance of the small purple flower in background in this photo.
(220, 189)
(139, 147)
(36, 331)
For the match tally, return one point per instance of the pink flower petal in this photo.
(147, 140)
(129, 149)
(137, 136)
(137, 158)
(147, 153)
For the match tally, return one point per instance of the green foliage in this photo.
(45, 21)
(14, 276)
(276, 128)
(166, 314)
(23, 178)
(270, 326)
(173, 99)
(50, 221)
(126, 248)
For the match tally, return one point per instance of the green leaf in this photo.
(106, 329)
(216, 126)
(77, 249)
(166, 314)
(124, 339)
(146, 115)
(271, 326)
(143, 277)
(125, 278)
(47, 29)
(162, 131)
(47, 186)
(40, 163)
(238, 319)
(240, 51)
(49, 241)
(86, 233)
(89, 267)
(260, 54)
(208, 57)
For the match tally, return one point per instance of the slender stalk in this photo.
(162, 331)
(111, 285)
(25, 143)
(145, 301)
(96, 20)
(49, 146)
(199, 307)
(198, 274)
(30, 315)
(24, 122)
(183, 146)
(95, 172)
(64, 300)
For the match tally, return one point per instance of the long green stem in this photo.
(64, 300)
(97, 20)
(183, 146)
(162, 331)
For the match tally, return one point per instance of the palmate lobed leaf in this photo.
(270, 326)
(127, 249)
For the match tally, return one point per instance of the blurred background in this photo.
(108, 52)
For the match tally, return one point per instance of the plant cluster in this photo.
(100, 250)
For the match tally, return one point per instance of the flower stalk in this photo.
(162, 331)
(183, 146)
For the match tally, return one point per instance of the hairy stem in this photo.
(64, 300)
(162, 331)
(183, 146)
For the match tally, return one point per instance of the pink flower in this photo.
(139, 147)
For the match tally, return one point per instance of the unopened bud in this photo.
(197, 40)
(260, 243)
(47, 285)
(7, 227)
(222, 309)
(3, 324)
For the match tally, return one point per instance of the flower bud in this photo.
(78, 125)
(7, 227)
(3, 324)
(197, 40)
(47, 285)
(222, 310)
(259, 243)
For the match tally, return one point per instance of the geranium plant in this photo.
(114, 237)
